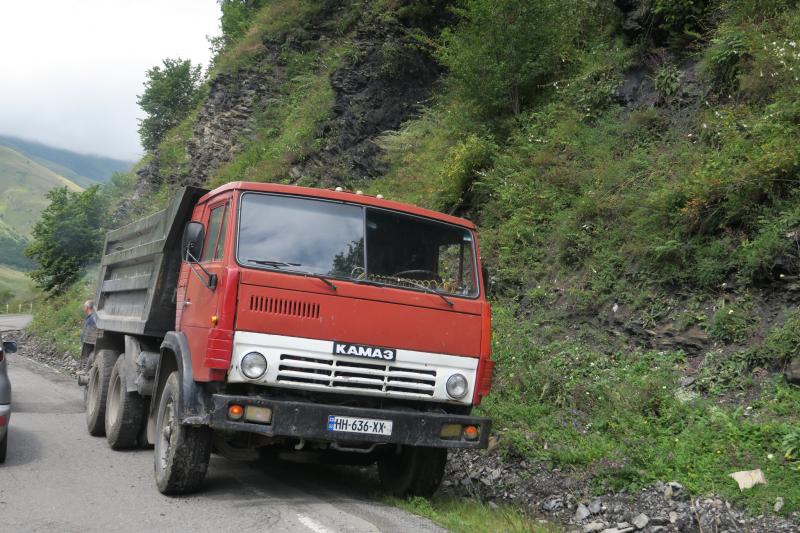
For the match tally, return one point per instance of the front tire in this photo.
(124, 411)
(97, 391)
(182, 452)
(415, 471)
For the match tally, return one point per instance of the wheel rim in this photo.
(166, 433)
(93, 390)
(114, 400)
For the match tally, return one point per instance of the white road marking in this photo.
(312, 524)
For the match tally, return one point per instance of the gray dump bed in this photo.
(139, 270)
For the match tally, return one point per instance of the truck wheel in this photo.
(97, 391)
(415, 471)
(124, 411)
(3, 447)
(181, 452)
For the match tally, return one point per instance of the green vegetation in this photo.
(622, 416)
(23, 186)
(170, 93)
(60, 318)
(584, 203)
(290, 130)
(462, 516)
(671, 207)
(15, 288)
(68, 238)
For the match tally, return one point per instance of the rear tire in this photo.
(415, 471)
(124, 410)
(97, 391)
(3, 447)
(182, 452)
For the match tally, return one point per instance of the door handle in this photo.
(186, 303)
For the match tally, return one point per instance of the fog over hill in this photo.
(83, 169)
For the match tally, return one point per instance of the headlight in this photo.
(254, 365)
(457, 386)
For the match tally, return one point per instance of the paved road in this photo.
(58, 478)
(9, 322)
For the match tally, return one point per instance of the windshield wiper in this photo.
(280, 264)
(426, 289)
(273, 263)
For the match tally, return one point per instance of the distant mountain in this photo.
(85, 170)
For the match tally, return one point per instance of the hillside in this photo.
(84, 169)
(634, 172)
(23, 187)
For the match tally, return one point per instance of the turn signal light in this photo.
(235, 412)
(3, 420)
(471, 433)
(214, 320)
(450, 431)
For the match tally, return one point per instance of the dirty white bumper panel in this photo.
(310, 364)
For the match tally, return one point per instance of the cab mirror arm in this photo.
(210, 280)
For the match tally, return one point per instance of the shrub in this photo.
(731, 323)
(502, 50)
(780, 344)
(724, 58)
(667, 79)
(169, 94)
(237, 17)
(681, 19)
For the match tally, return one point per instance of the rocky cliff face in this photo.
(383, 84)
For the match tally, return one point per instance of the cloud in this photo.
(70, 70)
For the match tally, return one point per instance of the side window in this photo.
(220, 248)
(215, 239)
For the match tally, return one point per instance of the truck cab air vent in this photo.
(282, 306)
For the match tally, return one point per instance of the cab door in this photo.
(198, 303)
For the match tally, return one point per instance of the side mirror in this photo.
(486, 280)
(192, 243)
(10, 347)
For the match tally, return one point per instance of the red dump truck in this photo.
(260, 319)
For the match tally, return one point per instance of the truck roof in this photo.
(344, 196)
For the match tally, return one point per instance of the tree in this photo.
(503, 49)
(67, 238)
(237, 17)
(169, 94)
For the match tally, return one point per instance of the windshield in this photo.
(353, 242)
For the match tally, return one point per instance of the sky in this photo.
(70, 70)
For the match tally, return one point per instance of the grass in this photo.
(23, 185)
(18, 284)
(463, 516)
(273, 22)
(59, 319)
(621, 417)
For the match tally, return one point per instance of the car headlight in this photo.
(457, 386)
(254, 365)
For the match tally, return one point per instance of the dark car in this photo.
(5, 397)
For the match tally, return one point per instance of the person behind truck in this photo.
(88, 332)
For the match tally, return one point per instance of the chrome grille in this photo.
(356, 376)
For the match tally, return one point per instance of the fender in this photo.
(195, 404)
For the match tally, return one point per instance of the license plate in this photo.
(349, 424)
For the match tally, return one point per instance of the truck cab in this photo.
(305, 320)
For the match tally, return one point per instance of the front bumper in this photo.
(5, 418)
(310, 421)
